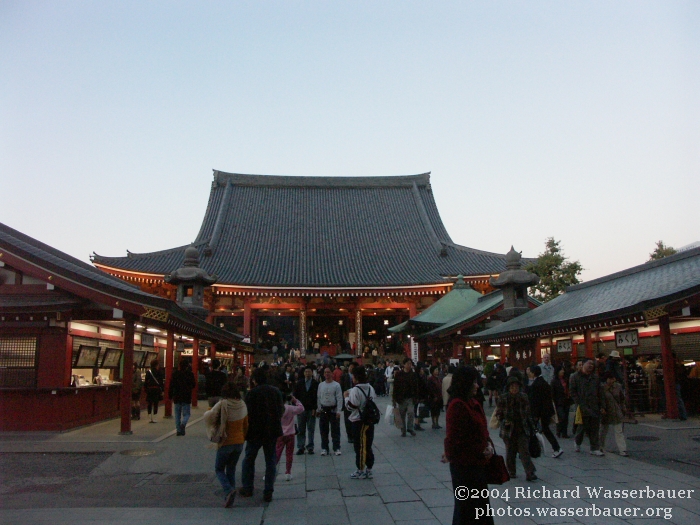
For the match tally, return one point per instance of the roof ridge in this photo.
(132, 255)
(637, 269)
(297, 181)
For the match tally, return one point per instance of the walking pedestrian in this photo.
(612, 414)
(587, 392)
(435, 396)
(306, 391)
(215, 381)
(181, 385)
(363, 433)
(265, 410)
(154, 382)
(404, 394)
(467, 448)
(231, 413)
(562, 401)
(136, 388)
(542, 407)
(513, 413)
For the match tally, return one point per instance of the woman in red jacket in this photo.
(467, 448)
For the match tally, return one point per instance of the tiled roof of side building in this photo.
(262, 230)
(50, 259)
(632, 291)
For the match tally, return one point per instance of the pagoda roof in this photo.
(645, 291)
(79, 282)
(264, 230)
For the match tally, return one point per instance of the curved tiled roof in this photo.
(262, 230)
(629, 292)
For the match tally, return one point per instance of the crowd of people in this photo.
(277, 407)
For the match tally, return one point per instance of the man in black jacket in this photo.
(181, 385)
(406, 391)
(306, 391)
(215, 381)
(542, 407)
(265, 409)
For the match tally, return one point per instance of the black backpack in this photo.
(369, 415)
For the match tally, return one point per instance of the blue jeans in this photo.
(225, 466)
(269, 447)
(305, 421)
(182, 416)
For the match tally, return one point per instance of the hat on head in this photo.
(513, 379)
(614, 353)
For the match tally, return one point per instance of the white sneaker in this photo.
(368, 473)
(288, 477)
(557, 453)
(358, 474)
(324, 452)
(597, 453)
(338, 452)
(577, 448)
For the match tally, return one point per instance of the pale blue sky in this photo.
(582, 119)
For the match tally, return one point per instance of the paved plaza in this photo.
(92, 475)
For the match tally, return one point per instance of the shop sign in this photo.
(564, 346)
(627, 338)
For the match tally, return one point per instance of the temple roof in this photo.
(635, 291)
(263, 230)
(48, 261)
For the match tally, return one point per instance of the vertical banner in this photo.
(302, 331)
(358, 331)
(414, 349)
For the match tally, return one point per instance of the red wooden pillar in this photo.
(412, 310)
(195, 370)
(246, 318)
(68, 368)
(128, 379)
(588, 341)
(669, 367)
(485, 352)
(538, 350)
(503, 353)
(213, 351)
(169, 362)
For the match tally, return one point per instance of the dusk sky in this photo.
(573, 120)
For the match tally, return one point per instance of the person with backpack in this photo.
(363, 416)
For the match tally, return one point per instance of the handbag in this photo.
(555, 417)
(423, 411)
(389, 415)
(578, 420)
(493, 422)
(496, 470)
(534, 446)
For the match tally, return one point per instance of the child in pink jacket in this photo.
(291, 409)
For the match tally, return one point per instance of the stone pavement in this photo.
(92, 476)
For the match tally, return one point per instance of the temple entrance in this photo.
(278, 332)
(328, 333)
(376, 335)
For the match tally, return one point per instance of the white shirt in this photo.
(358, 399)
(330, 394)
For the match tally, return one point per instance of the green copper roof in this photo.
(458, 300)
(484, 305)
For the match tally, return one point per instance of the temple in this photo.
(318, 263)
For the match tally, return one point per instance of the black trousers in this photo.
(348, 424)
(363, 436)
(544, 423)
(329, 419)
(465, 510)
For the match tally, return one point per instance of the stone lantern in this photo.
(514, 283)
(191, 281)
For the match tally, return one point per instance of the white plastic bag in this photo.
(389, 415)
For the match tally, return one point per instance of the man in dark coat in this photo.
(215, 381)
(542, 407)
(181, 385)
(306, 391)
(265, 409)
(587, 393)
